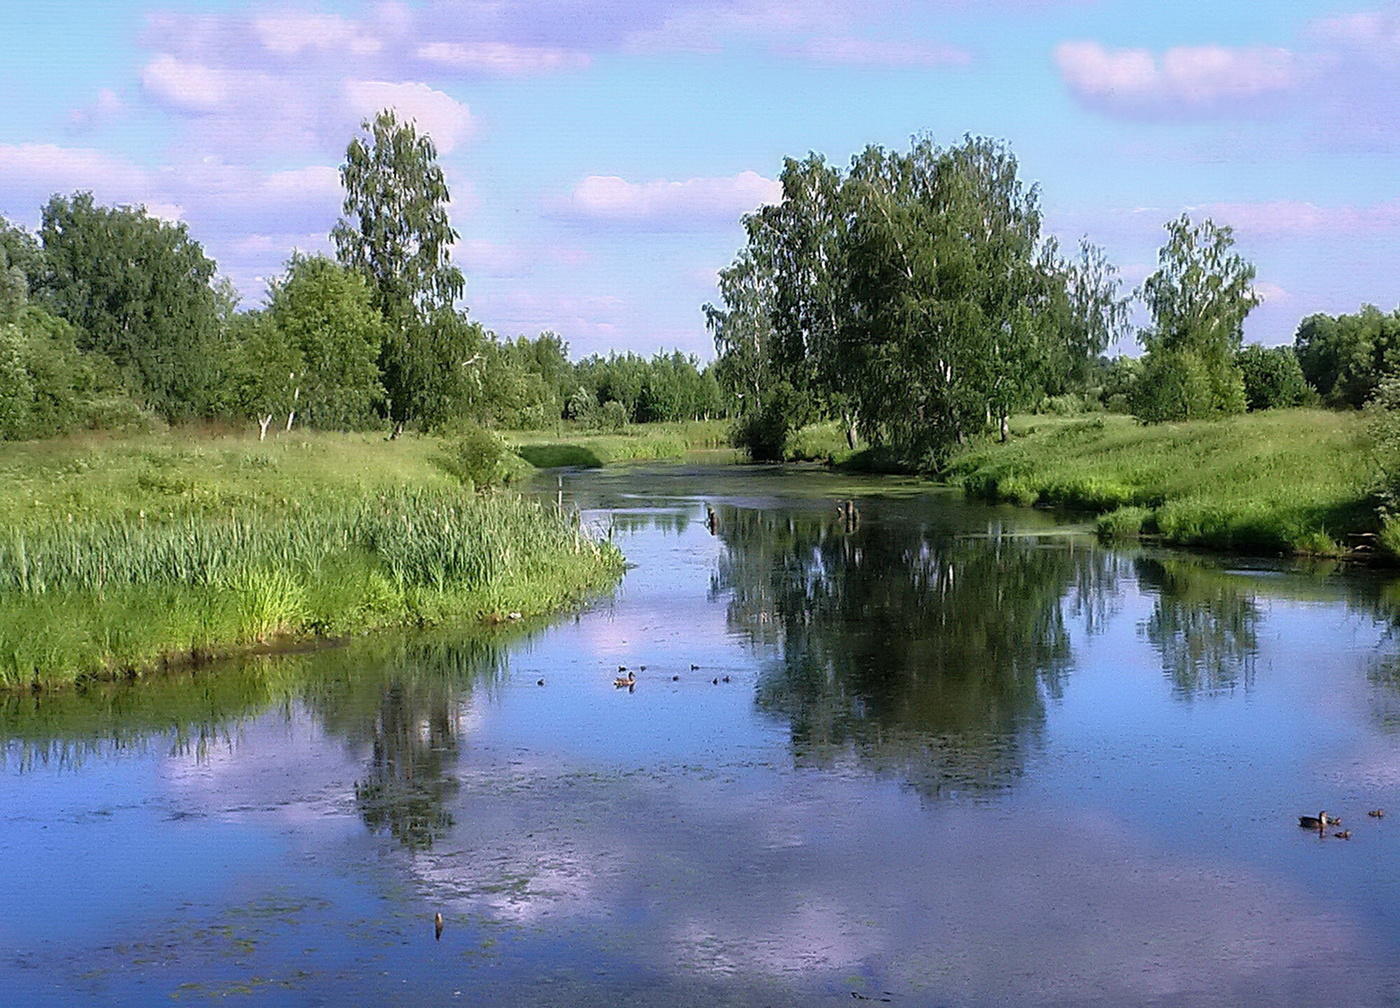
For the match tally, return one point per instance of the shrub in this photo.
(613, 416)
(481, 458)
(1123, 523)
(1273, 378)
(1175, 385)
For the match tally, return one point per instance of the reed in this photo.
(124, 594)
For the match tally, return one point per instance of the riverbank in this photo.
(590, 449)
(124, 555)
(1282, 481)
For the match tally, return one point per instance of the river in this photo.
(947, 754)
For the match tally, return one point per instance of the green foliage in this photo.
(1272, 377)
(397, 233)
(1199, 298)
(912, 299)
(1383, 426)
(1174, 385)
(48, 387)
(612, 416)
(156, 324)
(1345, 358)
(331, 334)
(482, 459)
(1122, 523)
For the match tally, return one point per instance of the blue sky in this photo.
(601, 153)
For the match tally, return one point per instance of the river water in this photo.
(952, 754)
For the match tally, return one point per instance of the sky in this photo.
(600, 153)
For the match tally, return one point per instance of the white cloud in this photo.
(869, 52)
(291, 34)
(1183, 79)
(501, 58)
(693, 202)
(31, 172)
(436, 113)
(188, 87)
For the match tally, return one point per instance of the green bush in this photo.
(612, 416)
(1175, 385)
(481, 458)
(1123, 523)
(1273, 379)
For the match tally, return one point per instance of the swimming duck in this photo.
(675, 678)
(1343, 835)
(1378, 813)
(1317, 822)
(539, 682)
(724, 678)
(628, 680)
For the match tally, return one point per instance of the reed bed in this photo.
(122, 594)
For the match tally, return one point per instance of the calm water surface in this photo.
(963, 756)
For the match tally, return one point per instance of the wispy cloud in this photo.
(1185, 79)
(662, 203)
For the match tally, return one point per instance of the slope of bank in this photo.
(1281, 481)
(570, 446)
(120, 555)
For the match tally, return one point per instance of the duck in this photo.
(630, 679)
(694, 667)
(1343, 834)
(1377, 813)
(675, 678)
(724, 678)
(539, 682)
(1317, 822)
(714, 681)
(437, 926)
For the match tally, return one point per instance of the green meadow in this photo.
(123, 555)
(1278, 481)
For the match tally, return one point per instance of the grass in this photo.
(566, 446)
(129, 554)
(1282, 481)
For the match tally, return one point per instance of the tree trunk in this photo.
(292, 413)
(263, 424)
(398, 429)
(1005, 427)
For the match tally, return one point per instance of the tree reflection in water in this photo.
(408, 708)
(906, 649)
(1204, 624)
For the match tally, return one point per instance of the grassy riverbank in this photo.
(1282, 481)
(121, 555)
(564, 446)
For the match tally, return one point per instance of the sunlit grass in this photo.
(1283, 481)
(124, 554)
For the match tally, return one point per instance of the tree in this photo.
(1346, 358)
(262, 371)
(397, 233)
(138, 289)
(1272, 377)
(324, 314)
(1086, 314)
(1199, 298)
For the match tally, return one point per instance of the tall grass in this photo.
(120, 594)
(568, 446)
(1281, 481)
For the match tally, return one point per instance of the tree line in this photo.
(112, 318)
(915, 298)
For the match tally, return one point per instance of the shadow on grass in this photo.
(553, 456)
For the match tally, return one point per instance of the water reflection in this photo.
(1204, 625)
(907, 649)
